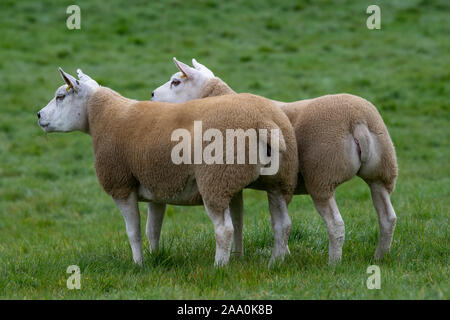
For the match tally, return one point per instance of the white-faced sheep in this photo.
(338, 136)
(133, 147)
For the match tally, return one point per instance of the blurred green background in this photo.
(53, 213)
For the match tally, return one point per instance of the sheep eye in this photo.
(175, 82)
(60, 97)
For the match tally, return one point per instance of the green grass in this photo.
(53, 213)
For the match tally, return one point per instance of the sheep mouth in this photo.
(44, 126)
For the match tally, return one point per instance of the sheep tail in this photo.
(363, 141)
(272, 128)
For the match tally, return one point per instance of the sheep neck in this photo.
(216, 87)
(102, 104)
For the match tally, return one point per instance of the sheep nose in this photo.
(153, 94)
(39, 115)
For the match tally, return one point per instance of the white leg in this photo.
(386, 218)
(155, 216)
(130, 212)
(237, 217)
(223, 228)
(281, 225)
(335, 225)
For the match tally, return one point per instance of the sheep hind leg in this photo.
(155, 216)
(237, 217)
(386, 218)
(130, 211)
(223, 228)
(329, 211)
(281, 225)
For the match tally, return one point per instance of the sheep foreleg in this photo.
(237, 217)
(130, 211)
(335, 225)
(155, 216)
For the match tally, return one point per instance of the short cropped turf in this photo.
(53, 212)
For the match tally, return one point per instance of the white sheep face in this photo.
(67, 110)
(184, 85)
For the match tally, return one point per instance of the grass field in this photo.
(53, 212)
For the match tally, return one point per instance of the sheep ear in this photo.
(187, 71)
(69, 80)
(196, 65)
(86, 79)
(200, 67)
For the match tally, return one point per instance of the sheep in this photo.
(338, 136)
(133, 145)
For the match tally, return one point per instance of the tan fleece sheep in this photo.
(338, 136)
(133, 147)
